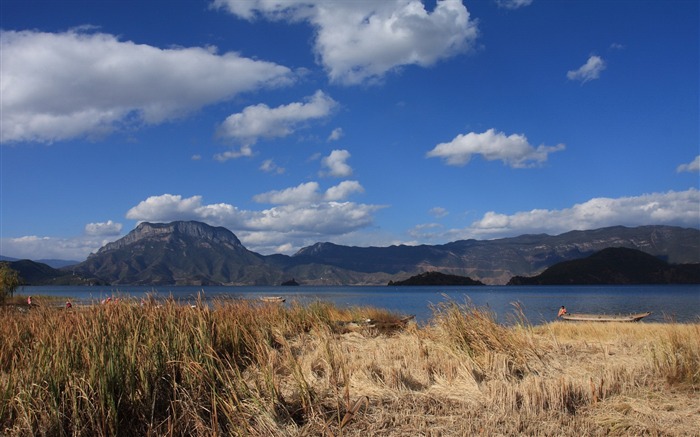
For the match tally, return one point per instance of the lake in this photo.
(679, 303)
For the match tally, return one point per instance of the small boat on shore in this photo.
(605, 317)
(273, 299)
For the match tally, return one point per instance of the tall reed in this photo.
(495, 349)
(235, 367)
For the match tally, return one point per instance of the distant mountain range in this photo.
(55, 263)
(194, 253)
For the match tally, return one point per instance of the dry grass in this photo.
(245, 368)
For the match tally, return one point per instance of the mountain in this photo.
(55, 263)
(496, 261)
(36, 273)
(614, 266)
(179, 253)
(194, 253)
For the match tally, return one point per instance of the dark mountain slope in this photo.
(436, 278)
(36, 273)
(614, 266)
(185, 253)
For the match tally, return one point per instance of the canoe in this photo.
(279, 299)
(605, 317)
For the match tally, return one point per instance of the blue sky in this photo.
(365, 123)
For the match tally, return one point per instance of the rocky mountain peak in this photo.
(315, 249)
(178, 229)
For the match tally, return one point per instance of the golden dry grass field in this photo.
(261, 369)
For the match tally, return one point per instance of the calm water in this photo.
(540, 304)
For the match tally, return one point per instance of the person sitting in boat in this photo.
(562, 311)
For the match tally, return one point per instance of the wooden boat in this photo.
(605, 317)
(380, 325)
(273, 299)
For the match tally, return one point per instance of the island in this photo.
(436, 278)
(290, 283)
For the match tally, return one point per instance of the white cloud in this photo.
(302, 215)
(336, 165)
(35, 248)
(357, 41)
(261, 121)
(671, 208)
(59, 86)
(233, 154)
(302, 193)
(269, 166)
(588, 71)
(343, 190)
(513, 4)
(308, 192)
(693, 166)
(108, 228)
(168, 207)
(336, 134)
(514, 150)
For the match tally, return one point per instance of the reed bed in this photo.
(264, 369)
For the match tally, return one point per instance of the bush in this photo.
(9, 280)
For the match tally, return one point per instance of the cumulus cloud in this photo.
(261, 121)
(343, 190)
(59, 86)
(513, 150)
(301, 194)
(670, 208)
(309, 192)
(335, 164)
(358, 41)
(336, 134)
(513, 4)
(302, 215)
(693, 166)
(108, 228)
(588, 71)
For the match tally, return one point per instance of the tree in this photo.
(9, 280)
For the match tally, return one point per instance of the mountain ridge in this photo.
(194, 253)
